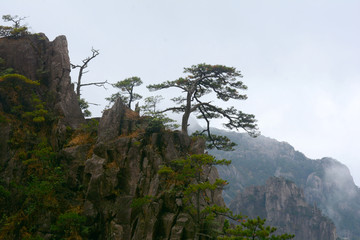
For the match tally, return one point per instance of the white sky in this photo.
(300, 59)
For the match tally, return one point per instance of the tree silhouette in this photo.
(204, 79)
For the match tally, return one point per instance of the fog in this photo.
(300, 59)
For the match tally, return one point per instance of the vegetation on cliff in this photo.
(14, 31)
(33, 184)
(127, 177)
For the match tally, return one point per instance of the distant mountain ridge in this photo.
(326, 182)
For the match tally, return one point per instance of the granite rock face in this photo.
(124, 168)
(283, 204)
(46, 63)
(35, 57)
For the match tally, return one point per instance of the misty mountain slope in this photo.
(326, 182)
(283, 204)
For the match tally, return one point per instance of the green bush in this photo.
(155, 125)
(14, 78)
(251, 229)
(84, 106)
(140, 202)
(70, 224)
(4, 193)
(3, 119)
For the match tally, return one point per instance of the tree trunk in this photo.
(185, 118)
(79, 82)
(184, 123)
(130, 97)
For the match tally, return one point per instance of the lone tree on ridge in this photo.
(202, 80)
(84, 105)
(16, 30)
(126, 87)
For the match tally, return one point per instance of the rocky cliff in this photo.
(283, 204)
(35, 57)
(124, 168)
(325, 182)
(63, 177)
(38, 89)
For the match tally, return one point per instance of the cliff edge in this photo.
(64, 177)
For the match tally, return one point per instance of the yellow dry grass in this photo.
(91, 152)
(111, 165)
(131, 114)
(80, 138)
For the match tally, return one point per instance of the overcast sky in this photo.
(300, 59)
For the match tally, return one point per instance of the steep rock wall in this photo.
(37, 58)
(47, 64)
(123, 169)
(283, 204)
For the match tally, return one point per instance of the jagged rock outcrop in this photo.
(35, 57)
(119, 121)
(283, 204)
(122, 169)
(47, 64)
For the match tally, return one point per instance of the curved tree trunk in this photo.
(185, 118)
(184, 123)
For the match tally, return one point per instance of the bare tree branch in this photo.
(94, 104)
(82, 68)
(98, 84)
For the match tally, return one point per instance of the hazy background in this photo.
(300, 59)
